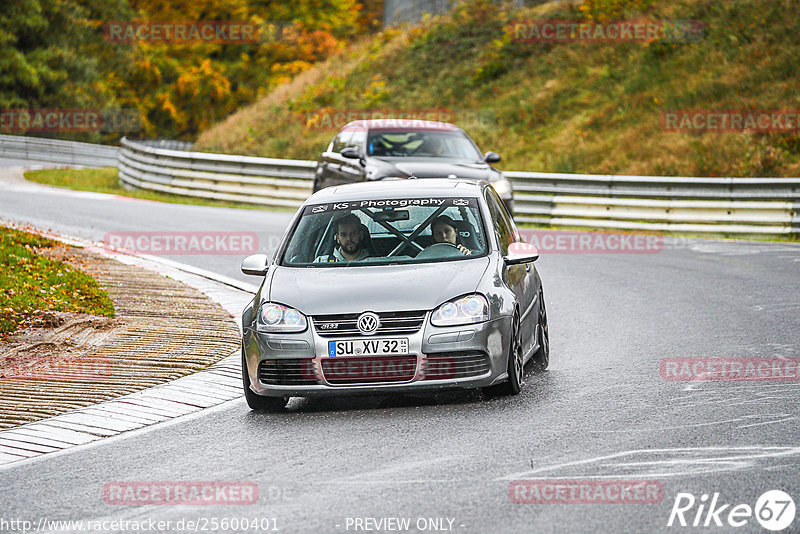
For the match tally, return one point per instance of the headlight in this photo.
(502, 186)
(278, 318)
(464, 310)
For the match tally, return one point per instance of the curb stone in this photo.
(217, 384)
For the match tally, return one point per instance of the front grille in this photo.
(288, 372)
(369, 370)
(391, 323)
(451, 365)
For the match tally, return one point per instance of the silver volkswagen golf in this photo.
(405, 285)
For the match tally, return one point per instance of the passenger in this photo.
(444, 230)
(351, 236)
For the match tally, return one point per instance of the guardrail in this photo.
(720, 206)
(729, 206)
(57, 151)
(266, 181)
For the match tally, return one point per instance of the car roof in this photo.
(399, 123)
(402, 188)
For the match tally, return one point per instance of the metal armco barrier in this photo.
(731, 206)
(58, 152)
(734, 206)
(719, 206)
(267, 181)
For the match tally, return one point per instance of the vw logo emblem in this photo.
(368, 323)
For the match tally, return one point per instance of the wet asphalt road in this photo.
(602, 411)
(102, 218)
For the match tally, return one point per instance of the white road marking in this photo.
(783, 416)
(685, 462)
(398, 467)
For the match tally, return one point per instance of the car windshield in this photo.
(422, 143)
(386, 231)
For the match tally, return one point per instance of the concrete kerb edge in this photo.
(185, 274)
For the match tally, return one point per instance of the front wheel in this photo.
(257, 402)
(541, 358)
(515, 363)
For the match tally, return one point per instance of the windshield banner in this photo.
(391, 203)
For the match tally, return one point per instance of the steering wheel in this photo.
(440, 250)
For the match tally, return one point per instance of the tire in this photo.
(541, 358)
(515, 363)
(257, 402)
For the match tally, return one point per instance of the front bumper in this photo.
(469, 356)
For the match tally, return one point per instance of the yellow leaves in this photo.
(601, 10)
(375, 93)
(203, 82)
(291, 68)
(180, 89)
(170, 108)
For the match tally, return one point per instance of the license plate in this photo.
(368, 347)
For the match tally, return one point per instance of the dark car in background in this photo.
(378, 149)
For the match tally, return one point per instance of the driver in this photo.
(351, 236)
(444, 230)
(433, 146)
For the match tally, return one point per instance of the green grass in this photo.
(105, 180)
(32, 282)
(579, 107)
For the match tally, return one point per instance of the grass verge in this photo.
(105, 180)
(582, 107)
(33, 283)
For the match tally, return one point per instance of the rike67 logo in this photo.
(774, 511)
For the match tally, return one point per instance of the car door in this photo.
(519, 278)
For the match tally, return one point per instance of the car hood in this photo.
(438, 169)
(326, 290)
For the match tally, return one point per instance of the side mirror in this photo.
(256, 265)
(350, 153)
(519, 253)
(491, 157)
